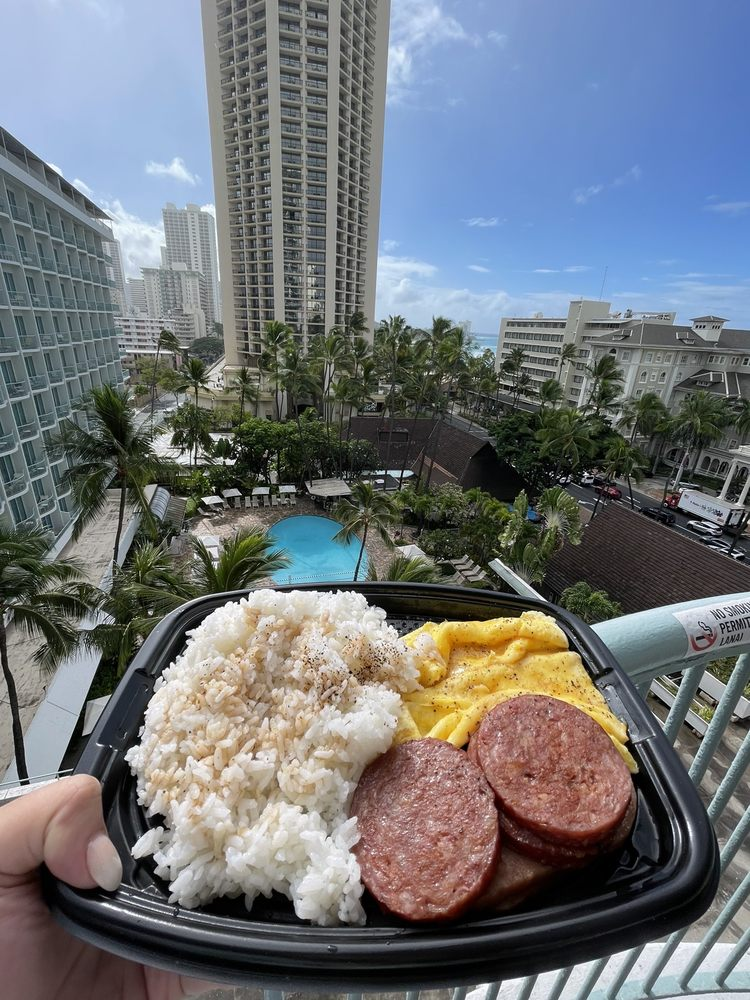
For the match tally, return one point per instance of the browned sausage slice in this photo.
(429, 833)
(554, 770)
(531, 845)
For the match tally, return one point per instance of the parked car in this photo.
(609, 491)
(719, 545)
(587, 479)
(660, 514)
(704, 528)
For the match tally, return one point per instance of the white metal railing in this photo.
(710, 956)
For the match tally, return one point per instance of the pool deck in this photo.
(263, 518)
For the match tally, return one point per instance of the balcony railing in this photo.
(709, 957)
(7, 443)
(8, 253)
(18, 298)
(37, 469)
(38, 381)
(46, 505)
(8, 345)
(26, 431)
(15, 485)
(17, 389)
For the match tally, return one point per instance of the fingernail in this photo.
(104, 863)
(194, 987)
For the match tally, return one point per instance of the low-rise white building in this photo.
(542, 338)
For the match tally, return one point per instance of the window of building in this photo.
(644, 377)
(649, 358)
(667, 358)
(638, 393)
(683, 359)
(653, 376)
(657, 358)
(662, 377)
(625, 356)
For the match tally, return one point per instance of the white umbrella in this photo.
(213, 501)
(261, 491)
(287, 489)
(230, 493)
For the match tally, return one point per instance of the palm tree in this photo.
(195, 377)
(191, 431)
(168, 342)
(391, 343)
(367, 509)
(701, 419)
(414, 569)
(526, 547)
(741, 413)
(590, 605)
(565, 437)
(246, 384)
(41, 598)
(550, 394)
(606, 379)
(143, 592)
(562, 520)
(452, 356)
(244, 558)
(568, 353)
(113, 452)
(330, 352)
(276, 336)
(622, 461)
(642, 415)
(298, 380)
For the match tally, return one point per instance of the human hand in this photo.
(62, 825)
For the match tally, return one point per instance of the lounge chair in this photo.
(463, 563)
(266, 502)
(292, 500)
(274, 500)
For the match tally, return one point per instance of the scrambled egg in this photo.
(466, 668)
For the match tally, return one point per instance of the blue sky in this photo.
(529, 144)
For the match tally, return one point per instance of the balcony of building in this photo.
(15, 485)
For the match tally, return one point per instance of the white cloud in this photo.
(54, 166)
(478, 268)
(545, 270)
(141, 240)
(210, 208)
(576, 268)
(83, 187)
(482, 222)
(633, 174)
(390, 245)
(499, 39)
(177, 170)
(418, 27)
(729, 207)
(582, 195)
(408, 287)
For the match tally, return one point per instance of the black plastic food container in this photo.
(665, 878)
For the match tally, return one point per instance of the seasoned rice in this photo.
(254, 741)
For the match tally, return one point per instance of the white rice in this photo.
(254, 741)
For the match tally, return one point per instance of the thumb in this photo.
(62, 826)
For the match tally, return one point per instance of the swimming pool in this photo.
(313, 554)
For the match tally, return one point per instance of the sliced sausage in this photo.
(516, 878)
(554, 770)
(429, 831)
(548, 852)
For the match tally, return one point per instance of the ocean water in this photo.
(485, 341)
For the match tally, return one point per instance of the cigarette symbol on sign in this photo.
(704, 639)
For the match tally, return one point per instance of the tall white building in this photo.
(116, 274)
(135, 295)
(542, 338)
(296, 99)
(57, 335)
(177, 292)
(190, 235)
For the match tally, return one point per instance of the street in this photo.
(586, 497)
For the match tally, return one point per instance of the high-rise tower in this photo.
(296, 98)
(190, 237)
